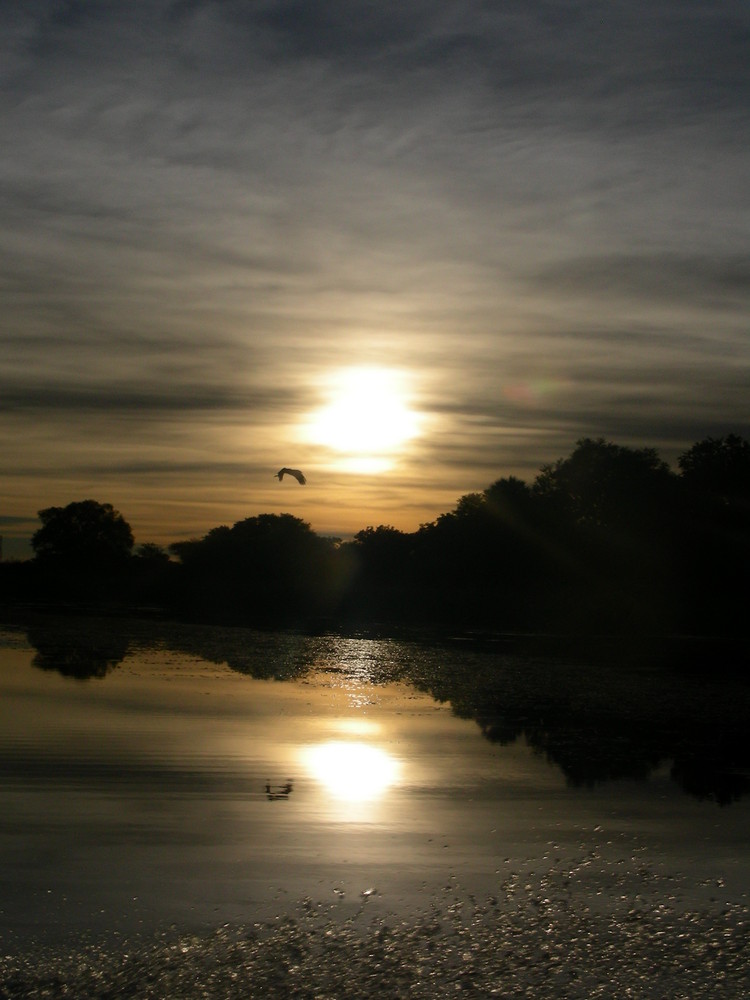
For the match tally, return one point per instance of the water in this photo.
(192, 812)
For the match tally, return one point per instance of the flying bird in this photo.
(291, 472)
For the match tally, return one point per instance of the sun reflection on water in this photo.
(352, 771)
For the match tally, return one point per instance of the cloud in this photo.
(534, 207)
(115, 399)
(716, 280)
(12, 522)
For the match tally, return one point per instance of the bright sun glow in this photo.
(356, 772)
(368, 418)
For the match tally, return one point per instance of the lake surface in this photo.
(196, 811)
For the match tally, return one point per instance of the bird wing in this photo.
(292, 472)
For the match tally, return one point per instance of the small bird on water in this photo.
(291, 472)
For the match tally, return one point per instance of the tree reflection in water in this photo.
(599, 715)
(619, 717)
(76, 651)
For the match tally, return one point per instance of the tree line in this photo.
(607, 540)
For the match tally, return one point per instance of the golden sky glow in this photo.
(408, 249)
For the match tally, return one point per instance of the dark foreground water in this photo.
(197, 812)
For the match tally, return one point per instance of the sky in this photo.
(408, 247)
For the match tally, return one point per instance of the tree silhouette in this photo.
(614, 515)
(85, 535)
(719, 467)
(376, 574)
(606, 540)
(152, 554)
(607, 485)
(486, 561)
(267, 567)
(715, 474)
(383, 552)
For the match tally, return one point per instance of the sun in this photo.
(352, 771)
(367, 419)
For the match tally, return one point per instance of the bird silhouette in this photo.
(291, 472)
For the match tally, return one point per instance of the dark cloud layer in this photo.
(703, 279)
(113, 399)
